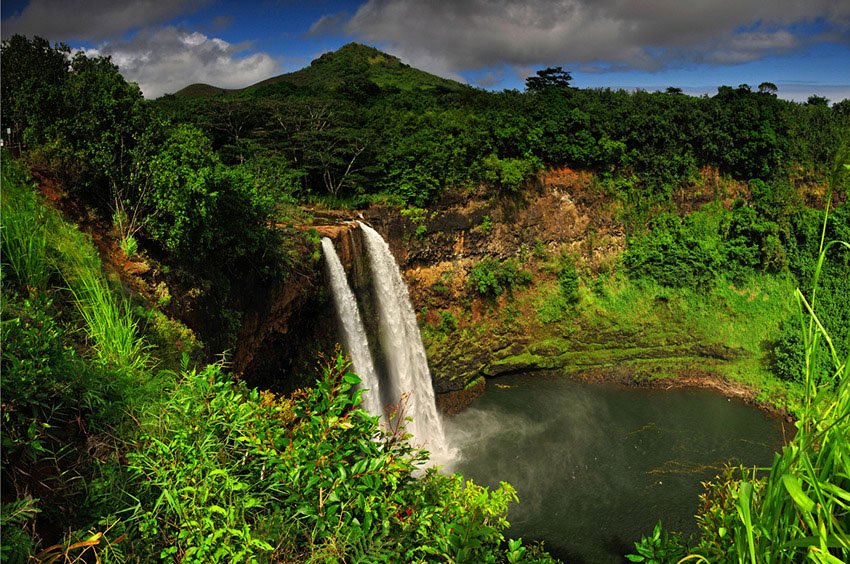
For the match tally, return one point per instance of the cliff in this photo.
(469, 337)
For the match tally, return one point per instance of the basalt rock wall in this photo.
(282, 338)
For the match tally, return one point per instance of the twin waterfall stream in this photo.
(406, 381)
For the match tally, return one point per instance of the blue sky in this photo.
(697, 45)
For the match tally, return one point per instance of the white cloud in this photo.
(165, 60)
(800, 92)
(796, 91)
(448, 37)
(93, 20)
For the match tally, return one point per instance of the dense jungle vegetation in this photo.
(122, 439)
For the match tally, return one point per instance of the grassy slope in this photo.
(635, 331)
(640, 333)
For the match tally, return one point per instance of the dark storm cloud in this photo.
(447, 37)
(93, 20)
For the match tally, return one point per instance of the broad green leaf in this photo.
(793, 486)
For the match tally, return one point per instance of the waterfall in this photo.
(401, 342)
(353, 331)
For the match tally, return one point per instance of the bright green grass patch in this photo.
(744, 317)
(110, 323)
(746, 314)
(25, 230)
(37, 242)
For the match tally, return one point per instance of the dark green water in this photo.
(596, 465)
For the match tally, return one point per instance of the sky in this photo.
(801, 46)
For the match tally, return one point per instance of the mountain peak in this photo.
(335, 70)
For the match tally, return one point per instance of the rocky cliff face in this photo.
(296, 321)
(470, 339)
(567, 212)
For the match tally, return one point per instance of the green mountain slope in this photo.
(353, 66)
(200, 90)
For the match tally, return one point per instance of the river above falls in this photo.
(596, 465)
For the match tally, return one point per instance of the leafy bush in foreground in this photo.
(229, 473)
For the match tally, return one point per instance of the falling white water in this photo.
(353, 331)
(402, 346)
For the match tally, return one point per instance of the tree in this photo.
(551, 77)
(32, 87)
(202, 210)
(180, 199)
(326, 139)
(234, 121)
(768, 88)
(105, 117)
(815, 100)
(674, 90)
(842, 108)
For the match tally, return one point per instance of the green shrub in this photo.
(490, 278)
(228, 473)
(486, 224)
(41, 374)
(568, 279)
(419, 217)
(170, 339)
(448, 322)
(198, 475)
(483, 279)
(752, 241)
(660, 547)
(129, 245)
(508, 175)
(672, 255)
(787, 358)
(16, 543)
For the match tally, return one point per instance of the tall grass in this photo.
(36, 243)
(110, 323)
(804, 510)
(25, 224)
(801, 511)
